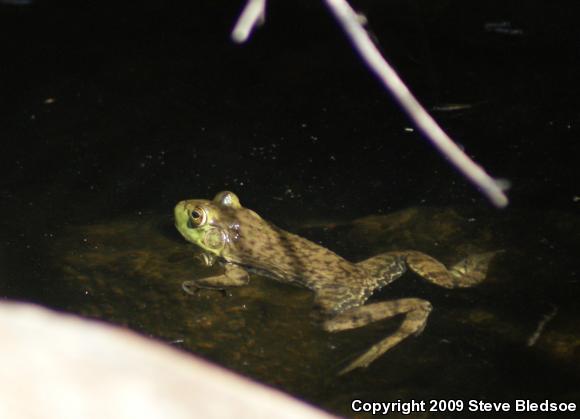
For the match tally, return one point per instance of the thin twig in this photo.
(349, 21)
(254, 14)
(538, 332)
(351, 24)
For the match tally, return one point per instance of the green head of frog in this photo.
(211, 225)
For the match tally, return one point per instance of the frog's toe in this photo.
(189, 287)
(362, 361)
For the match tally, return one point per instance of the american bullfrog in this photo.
(246, 243)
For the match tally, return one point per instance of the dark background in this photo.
(119, 109)
(152, 103)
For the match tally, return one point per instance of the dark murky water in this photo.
(129, 271)
(112, 116)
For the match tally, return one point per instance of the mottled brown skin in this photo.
(247, 243)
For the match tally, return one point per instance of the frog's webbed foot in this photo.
(415, 310)
(473, 269)
(466, 273)
(234, 276)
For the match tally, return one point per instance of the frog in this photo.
(244, 243)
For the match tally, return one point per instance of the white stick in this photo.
(254, 14)
(349, 21)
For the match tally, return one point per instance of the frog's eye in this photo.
(198, 217)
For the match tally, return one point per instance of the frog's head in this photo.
(210, 225)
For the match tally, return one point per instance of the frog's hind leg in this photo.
(415, 310)
(466, 273)
(384, 268)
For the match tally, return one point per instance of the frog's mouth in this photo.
(182, 220)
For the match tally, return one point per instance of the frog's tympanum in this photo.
(245, 242)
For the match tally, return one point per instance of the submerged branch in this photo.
(540, 328)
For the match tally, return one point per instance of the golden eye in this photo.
(198, 216)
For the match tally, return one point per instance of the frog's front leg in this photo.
(234, 276)
(415, 310)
